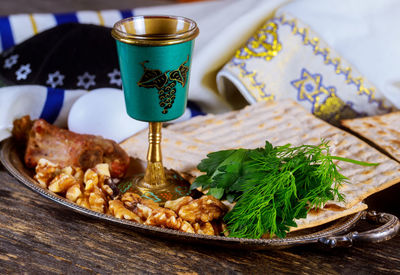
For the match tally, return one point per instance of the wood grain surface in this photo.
(40, 236)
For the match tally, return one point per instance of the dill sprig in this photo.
(272, 186)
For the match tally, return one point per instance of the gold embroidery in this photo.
(336, 62)
(33, 23)
(325, 103)
(333, 109)
(263, 44)
(101, 19)
(257, 89)
(309, 94)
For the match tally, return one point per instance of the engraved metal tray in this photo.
(329, 234)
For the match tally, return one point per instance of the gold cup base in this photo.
(157, 183)
(173, 188)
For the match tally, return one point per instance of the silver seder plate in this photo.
(328, 235)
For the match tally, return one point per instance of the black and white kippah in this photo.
(69, 56)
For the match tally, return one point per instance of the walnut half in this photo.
(46, 171)
(150, 213)
(204, 209)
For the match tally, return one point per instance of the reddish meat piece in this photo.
(21, 129)
(67, 148)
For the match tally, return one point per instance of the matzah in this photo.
(282, 122)
(325, 215)
(384, 131)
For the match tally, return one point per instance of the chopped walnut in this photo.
(110, 187)
(93, 192)
(141, 207)
(186, 227)
(103, 169)
(74, 192)
(96, 190)
(69, 181)
(150, 213)
(178, 203)
(46, 171)
(76, 172)
(166, 218)
(205, 209)
(131, 200)
(61, 183)
(83, 201)
(107, 189)
(87, 189)
(193, 215)
(99, 178)
(97, 201)
(117, 209)
(204, 228)
(91, 179)
(143, 211)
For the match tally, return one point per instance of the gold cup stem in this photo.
(157, 184)
(154, 175)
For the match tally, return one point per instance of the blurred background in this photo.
(57, 6)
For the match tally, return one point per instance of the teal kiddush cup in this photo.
(154, 55)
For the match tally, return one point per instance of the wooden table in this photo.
(39, 236)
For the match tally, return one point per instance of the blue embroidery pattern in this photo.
(264, 44)
(314, 42)
(310, 88)
(324, 101)
(262, 94)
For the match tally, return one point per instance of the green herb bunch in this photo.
(272, 186)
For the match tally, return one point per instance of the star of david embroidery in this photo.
(309, 86)
(55, 79)
(86, 80)
(115, 77)
(11, 61)
(23, 71)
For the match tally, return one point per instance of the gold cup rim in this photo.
(156, 39)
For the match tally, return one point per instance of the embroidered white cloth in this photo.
(365, 33)
(287, 59)
(225, 26)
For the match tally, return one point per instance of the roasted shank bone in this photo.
(67, 148)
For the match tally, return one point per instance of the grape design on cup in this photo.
(165, 83)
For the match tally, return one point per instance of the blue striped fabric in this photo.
(66, 18)
(53, 104)
(194, 109)
(9, 32)
(6, 36)
(126, 13)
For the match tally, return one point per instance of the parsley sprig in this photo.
(272, 186)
